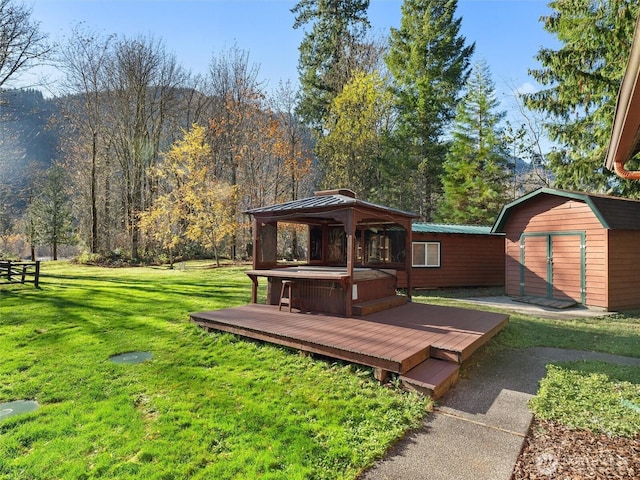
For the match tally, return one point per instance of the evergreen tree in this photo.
(49, 217)
(475, 172)
(582, 79)
(429, 62)
(329, 52)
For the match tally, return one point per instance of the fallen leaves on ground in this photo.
(553, 451)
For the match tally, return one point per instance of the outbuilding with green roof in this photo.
(455, 256)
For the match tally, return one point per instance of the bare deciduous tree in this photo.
(83, 61)
(22, 45)
(143, 93)
(295, 143)
(235, 120)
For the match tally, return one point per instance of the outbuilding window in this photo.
(426, 254)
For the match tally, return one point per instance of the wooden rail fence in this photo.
(20, 272)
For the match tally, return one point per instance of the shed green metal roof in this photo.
(614, 213)
(419, 227)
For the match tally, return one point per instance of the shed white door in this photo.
(552, 265)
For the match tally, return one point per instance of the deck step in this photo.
(378, 305)
(432, 377)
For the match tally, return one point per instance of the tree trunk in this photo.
(135, 239)
(294, 245)
(215, 254)
(107, 207)
(94, 208)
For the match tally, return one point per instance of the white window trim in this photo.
(425, 264)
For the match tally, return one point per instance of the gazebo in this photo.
(355, 249)
(355, 252)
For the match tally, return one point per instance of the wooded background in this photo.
(137, 159)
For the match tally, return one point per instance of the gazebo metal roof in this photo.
(322, 202)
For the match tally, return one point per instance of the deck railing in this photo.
(20, 272)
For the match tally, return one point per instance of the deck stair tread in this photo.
(432, 376)
(378, 305)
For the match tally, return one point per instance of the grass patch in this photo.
(206, 405)
(617, 335)
(594, 396)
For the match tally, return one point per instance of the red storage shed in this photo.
(573, 246)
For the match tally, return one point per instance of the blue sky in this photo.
(507, 33)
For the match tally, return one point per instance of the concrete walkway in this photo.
(509, 304)
(478, 428)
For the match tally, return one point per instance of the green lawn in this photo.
(214, 406)
(206, 406)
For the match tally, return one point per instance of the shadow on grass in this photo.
(108, 305)
(603, 334)
(616, 373)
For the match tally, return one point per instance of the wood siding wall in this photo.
(535, 271)
(624, 270)
(551, 214)
(328, 296)
(466, 260)
(567, 267)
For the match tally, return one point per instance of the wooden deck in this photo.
(398, 340)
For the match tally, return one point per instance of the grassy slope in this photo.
(206, 406)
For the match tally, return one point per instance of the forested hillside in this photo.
(138, 158)
(28, 146)
(28, 140)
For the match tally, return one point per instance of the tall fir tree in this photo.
(429, 61)
(475, 175)
(329, 52)
(582, 79)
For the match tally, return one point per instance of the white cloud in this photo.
(526, 88)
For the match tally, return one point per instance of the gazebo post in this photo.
(408, 256)
(350, 231)
(254, 280)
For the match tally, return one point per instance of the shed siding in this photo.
(466, 260)
(535, 266)
(512, 267)
(549, 213)
(624, 270)
(552, 214)
(567, 267)
(596, 269)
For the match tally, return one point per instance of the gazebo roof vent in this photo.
(340, 191)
